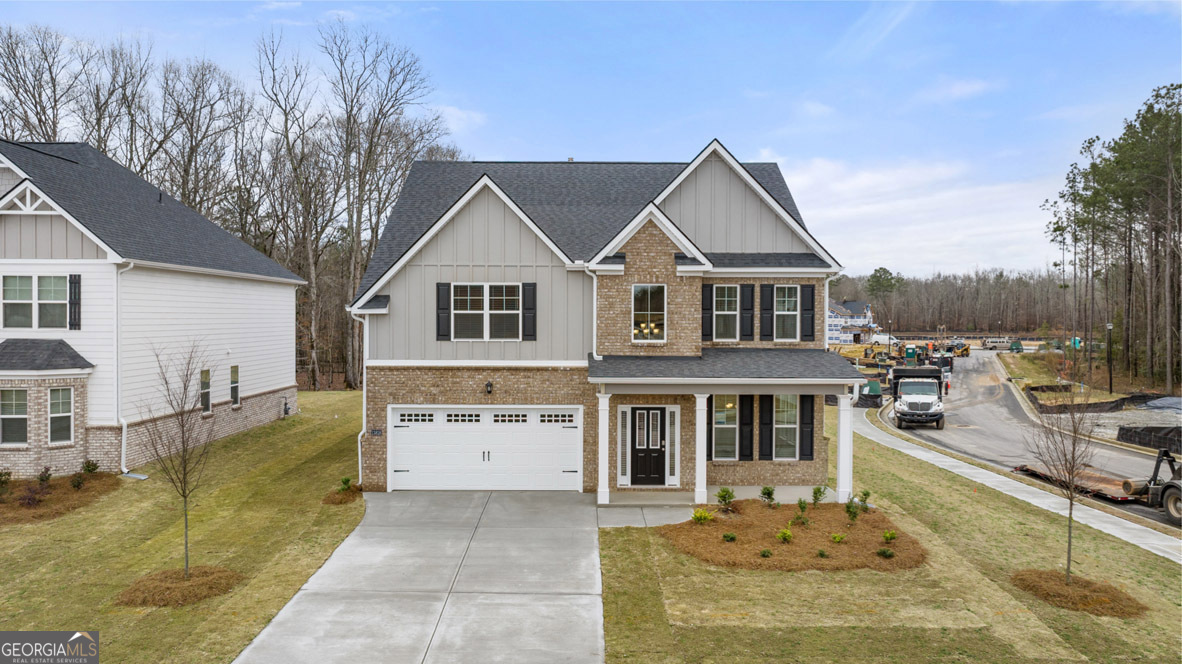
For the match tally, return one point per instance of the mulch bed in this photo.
(755, 526)
(169, 587)
(59, 499)
(1094, 597)
(343, 497)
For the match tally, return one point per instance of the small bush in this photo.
(765, 553)
(5, 481)
(774, 505)
(865, 506)
(345, 482)
(819, 494)
(728, 537)
(802, 505)
(852, 510)
(768, 495)
(837, 537)
(784, 536)
(701, 516)
(801, 520)
(90, 466)
(889, 536)
(885, 553)
(44, 476)
(77, 481)
(822, 554)
(30, 498)
(726, 497)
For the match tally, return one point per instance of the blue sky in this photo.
(918, 136)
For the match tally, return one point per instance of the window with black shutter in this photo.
(747, 312)
(442, 312)
(529, 312)
(807, 312)
(707, 312)
(806, 427)
(746, 427)
(767, 300)
(75, 302)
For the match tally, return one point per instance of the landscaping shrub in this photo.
(819, 494)
(701, 516)
(90, 466)
(822, 554)
(889, 536)
(44, 476)
(852, 510)
(5, 481)
(345, 482)
(30, 498)
(765, 553)
(726, 498)
(865, 500)
(837, 537)
(728, 537)
(768, 495)
(800, 520)
(885, 553)
(76, 481)
(784, 536)
(802, 505)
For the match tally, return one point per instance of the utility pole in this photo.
(1108, 350)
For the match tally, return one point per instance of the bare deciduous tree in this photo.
(40, 73)
(178, 436)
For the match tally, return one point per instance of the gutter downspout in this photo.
(594, 313)
(119, 374)
(364, 383)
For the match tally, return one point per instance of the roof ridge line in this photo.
(40, 152)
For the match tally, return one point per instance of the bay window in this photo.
(61, 415)
(14, 417)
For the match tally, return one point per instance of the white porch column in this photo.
(701, 421)
(604, 451)
(845, 447)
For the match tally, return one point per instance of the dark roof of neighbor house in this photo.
(132, 216)
(39, 355)
(580, 206)
(848, 307)
(737, 363)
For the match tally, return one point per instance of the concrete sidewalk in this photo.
(1146, 538)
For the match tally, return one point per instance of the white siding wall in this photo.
(236, 321)
(719, 212)
(96, 340)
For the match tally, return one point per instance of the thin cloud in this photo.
(459, 120)
(1076, 112)
(949, 90)
(340, 15)
(814, 109)
(871, 28)
(276, 6)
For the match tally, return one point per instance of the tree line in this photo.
(302, 161)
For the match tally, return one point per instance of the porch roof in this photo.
(798, 365)
(40, 355)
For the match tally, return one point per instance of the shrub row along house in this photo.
(99, 272)
(606, 327)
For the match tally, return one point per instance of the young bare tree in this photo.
(1061, 443)
(177, 434)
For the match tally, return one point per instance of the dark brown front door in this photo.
(648, 446)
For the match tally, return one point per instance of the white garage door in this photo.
(480, 447)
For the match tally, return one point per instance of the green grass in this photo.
(1032, 369)
(258, 513)
(663, 606)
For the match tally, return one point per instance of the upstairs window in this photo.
(235, 399)
(648, 312)
(468, 304)
(787, 313)
(504, 311)
(206, 402)
(486, 312)
(61, 415)
(49, 309)
(726, 313)
(18, 301)
(14, 417)
(52, 301)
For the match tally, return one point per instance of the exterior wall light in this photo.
(488, 387)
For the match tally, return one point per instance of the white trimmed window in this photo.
(48, 309)
(785, 435)
(18, 301)
(52, 302)
(648, 312)
(726, 313)
(206, 383)
(14, 417)
(61, 415)
(726, 427)
(483, 312)
(235, 397)
(787, 313)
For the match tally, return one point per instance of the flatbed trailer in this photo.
(1091, 483)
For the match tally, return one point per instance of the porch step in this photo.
(650, 499)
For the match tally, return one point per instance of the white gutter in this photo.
(364, 384)
(119, 375)
(594, 313)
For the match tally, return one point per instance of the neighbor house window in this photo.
(726, 426)
(234, 398)
(61, 415)
(14, 417)
(648, 312)
(18, 301)
(726, 313)
(52, 298)
(787, 313)
(787, 416)
(206, 402)
(486, 312)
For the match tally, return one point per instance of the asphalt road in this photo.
(985, 421)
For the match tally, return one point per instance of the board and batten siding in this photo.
(241, 322)
(44, 237)
(96, 340)
(716, 209)
(484, 242)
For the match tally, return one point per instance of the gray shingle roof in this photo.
(376, 302)
(580, 206)
(39, 355)
(737, 363)
(849, 307)
(130, 215)
(800, 259)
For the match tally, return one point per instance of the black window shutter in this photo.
(766, 430)
(747, 312)
(709, 428)
(746, 427)
(442, 312)
(806, 426)
(807, 312)
(74, 307)
(707, 312)
(529, 312)
(767, 302)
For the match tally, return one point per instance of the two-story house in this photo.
(849, 322)
(608, 327)
(99, 271)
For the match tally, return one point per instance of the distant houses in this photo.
(849, 322)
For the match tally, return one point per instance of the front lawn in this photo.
(259, 514)
(664, 606)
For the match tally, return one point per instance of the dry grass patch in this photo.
(1094, 597)
(61, 498)
(345, 497)
(170, 587)
(755, 527)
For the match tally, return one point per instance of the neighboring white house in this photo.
(99, 271)
(849, 322)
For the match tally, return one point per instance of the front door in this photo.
(648, 446)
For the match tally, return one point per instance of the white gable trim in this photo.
(4, 161)
(27, 187)
(654, 214)
(484, 182)
(717, 148)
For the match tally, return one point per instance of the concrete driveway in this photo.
(458, 576)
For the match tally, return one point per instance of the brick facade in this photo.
(818, 316)
(27, 460)
(686, 462)
(776, 473)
